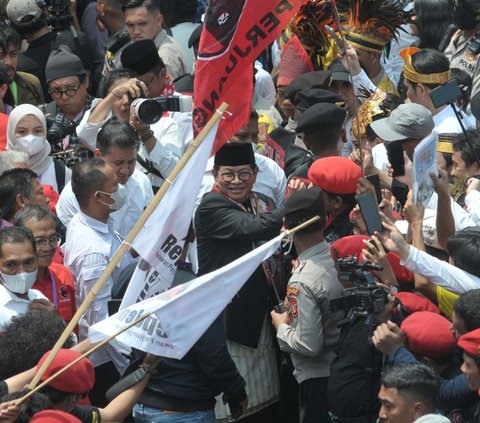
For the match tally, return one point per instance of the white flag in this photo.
(160, 241)
(182, 314)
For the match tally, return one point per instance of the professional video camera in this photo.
(59, 14)
(366, 297)
(57, 129)
(150, 110)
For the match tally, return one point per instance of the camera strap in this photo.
(148, 166)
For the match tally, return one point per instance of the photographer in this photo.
(68, 83)
(161, 146)
(309, 330)
(31, 19)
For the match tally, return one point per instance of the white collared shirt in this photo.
(139, 194)
(12, 305)
(89, 248)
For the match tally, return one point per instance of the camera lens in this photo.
(147, 111)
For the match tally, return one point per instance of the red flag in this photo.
(234, 35)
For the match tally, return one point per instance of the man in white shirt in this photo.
(90, 246)
(18, 270)
(117, 145)
(143, 20)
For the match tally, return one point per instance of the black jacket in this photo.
(191, 384)
(226, 232)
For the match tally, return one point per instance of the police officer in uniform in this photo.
(464, 48)
(309, 330)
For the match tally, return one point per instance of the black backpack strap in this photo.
(59, 174)
(148, 166)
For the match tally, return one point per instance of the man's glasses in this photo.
(53, 242)
(69, 92)
(244, 176)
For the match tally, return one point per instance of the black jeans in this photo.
(312, 400)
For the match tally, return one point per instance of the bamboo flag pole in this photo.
(85, 354)
(301, 226)
(135, 322)
(126, 244)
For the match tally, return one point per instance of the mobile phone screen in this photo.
(369, 210)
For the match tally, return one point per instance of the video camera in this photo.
(366, 297)
(150, 110)
(58, 128)
(59, 17)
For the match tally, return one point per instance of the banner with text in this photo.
(160, 242)
(182, 314)
(235, 34)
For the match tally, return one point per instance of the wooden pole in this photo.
(301, 226)
(126, 244)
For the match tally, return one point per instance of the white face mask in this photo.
(119, 197)
(19, 283)
(30, 144)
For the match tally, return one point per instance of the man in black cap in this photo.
(282, 145)
(308, 330)
(321, 126)
(30, 19)
(341, 85)
(229, 222)
(68, 83)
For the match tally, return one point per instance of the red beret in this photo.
(470, 343)
(351, 245)
(78, 379)
(429, 334)
(414, 302)
(403, 275)
(54, 416)
(337, 175)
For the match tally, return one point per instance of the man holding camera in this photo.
(30, 19)
(67, 83)
(309, 329)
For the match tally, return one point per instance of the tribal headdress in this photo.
(371, 24)
(371, 109)
(309, 26)
(416, 77)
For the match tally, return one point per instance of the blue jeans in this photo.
(145, 414)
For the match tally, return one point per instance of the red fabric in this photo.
(470, 343)
(78, 379)
(336, 175)
(65, 289)
(3, 131)
(52, 195)
(294, 61)
(428, 334)
(235, 33)
(348, 246)
(54, 416)
(414, 302)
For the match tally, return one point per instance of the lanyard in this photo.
(54, 289)
(14, 89)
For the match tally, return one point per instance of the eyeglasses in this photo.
(69, 93)
(53, 242)
(150, 82)
(244, 176)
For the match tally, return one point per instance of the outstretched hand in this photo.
(392, 239)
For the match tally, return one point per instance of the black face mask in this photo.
(464, 17)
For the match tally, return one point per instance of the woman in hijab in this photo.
(26, 132)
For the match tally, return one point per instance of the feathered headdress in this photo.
(309, 26)
(371, 24)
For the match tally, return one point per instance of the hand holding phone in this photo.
(369, 209)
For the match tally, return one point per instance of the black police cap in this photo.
(316, 79)
(305, 204)
(307, 98)
(321, 116)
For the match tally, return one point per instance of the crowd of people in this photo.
(369, 313)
